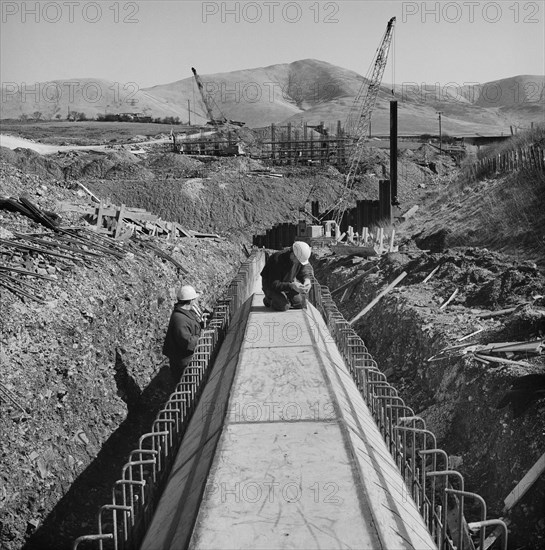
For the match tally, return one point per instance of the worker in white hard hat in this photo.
(183, 331)
(286, 277)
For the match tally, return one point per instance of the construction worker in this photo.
(286, 277)
(183, 331)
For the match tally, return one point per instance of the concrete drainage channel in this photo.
(438, 491)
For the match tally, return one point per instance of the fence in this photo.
(123, 523)
(509, 161)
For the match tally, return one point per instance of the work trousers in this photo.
(281, 300)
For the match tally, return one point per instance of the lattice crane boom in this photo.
(207, 102)
(359, 118)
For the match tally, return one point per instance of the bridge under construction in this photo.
(284, 433)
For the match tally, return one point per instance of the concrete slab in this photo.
(298, 462)
(270, 489)
(268, 328)
(279, 384)
(398, 521)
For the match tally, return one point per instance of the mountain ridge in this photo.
(306, 90)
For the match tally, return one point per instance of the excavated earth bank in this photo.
(84, 370)
(457, 395)
(87, 367)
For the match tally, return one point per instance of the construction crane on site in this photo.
(359, 117)
(209, 103)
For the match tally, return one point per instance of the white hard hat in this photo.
(186, 292)
(302, 251)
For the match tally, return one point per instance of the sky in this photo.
(158, 41)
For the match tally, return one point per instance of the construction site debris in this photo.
(12, 397)
(409, 213)
(431, 274)
(447, 302)
(391, 286)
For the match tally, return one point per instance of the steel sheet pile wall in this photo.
(123, 523)
(424, 467)
(278, 237)
(366, 213)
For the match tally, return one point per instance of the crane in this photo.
(359, 117)
(208, 101)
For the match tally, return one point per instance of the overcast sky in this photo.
(158, 41)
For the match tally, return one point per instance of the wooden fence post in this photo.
(119, 221)
(100, 209)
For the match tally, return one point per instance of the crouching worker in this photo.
(183, 331)
(286, 277)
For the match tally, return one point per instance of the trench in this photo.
(458, 398)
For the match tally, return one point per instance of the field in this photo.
(85, 133)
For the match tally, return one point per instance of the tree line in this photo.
(75, 116)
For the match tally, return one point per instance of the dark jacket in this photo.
(182, 333)
(280, 271)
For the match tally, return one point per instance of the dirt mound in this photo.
(504, 213)
(434, 242)
(173, 165)
(31, 162)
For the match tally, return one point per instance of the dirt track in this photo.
(13, 142)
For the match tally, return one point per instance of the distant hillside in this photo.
(307, 90)
(93, 96)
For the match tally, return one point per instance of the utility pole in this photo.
(440, 133)
(189, 112)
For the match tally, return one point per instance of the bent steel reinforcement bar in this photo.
(123, 522)
(412, 446)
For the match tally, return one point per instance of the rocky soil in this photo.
(455, 393)
(82, 373)
(84, 369)
(232, 196)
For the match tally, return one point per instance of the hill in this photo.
(306, 90)
(55, 99)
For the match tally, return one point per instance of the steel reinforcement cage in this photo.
(122, 524)
(424, 467)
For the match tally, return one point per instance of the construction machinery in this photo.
(209, 104)
(357, 128)
(359, 118)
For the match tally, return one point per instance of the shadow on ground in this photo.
(76, 513)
